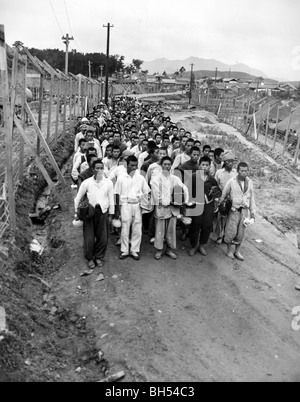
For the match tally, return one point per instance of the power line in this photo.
(77, 44)
(68, 17)
(56, 17)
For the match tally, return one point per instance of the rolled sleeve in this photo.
(226, 192)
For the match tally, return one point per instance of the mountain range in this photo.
(171, 66)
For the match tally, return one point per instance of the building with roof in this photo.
(294, 123)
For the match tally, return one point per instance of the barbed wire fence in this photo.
(256, 117)
(38, 104)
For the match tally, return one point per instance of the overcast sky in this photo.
(265, 34)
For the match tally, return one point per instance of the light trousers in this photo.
(235, 229)
(165, 230)
(131, 216)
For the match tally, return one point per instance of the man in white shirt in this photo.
(81, 164)
(100, 195)
(185, 157)
(166, 213)
(111, 163)
(129, 190)
(155, 169)
(107, 159)
(145, 154)
(79, 136)
(93, 142)
(181, 149)
(138, 149)
(81, 152)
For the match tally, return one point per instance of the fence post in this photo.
(65, 106)
(50, 108)
(57, 109)
(242, 116)
(255, 126)
(260, 121)
(286, 138)
(8, 128)
(23, 118)
(248, 111)
(276, 130)
(298, 147)
(71, 98)
(267, 126)
(40, 115)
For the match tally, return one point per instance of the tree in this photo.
(182, 70)
(165, 74)
(18, 44)
(78, 62)
(146, 72)
(137, 64)
(130, 69)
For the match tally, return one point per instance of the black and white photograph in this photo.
(149, 194)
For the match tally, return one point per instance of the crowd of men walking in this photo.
(139, 173)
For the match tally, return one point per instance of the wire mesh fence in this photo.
(266, 119)
(33, 120)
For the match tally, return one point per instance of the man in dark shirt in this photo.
(193, 164)
(202, 225)
(153, 158)
(117, 142)
(89, 172)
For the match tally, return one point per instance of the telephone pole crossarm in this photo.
(66, 40)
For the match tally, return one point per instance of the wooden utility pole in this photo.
(101, 71)
(108, 26)
(66, 39)
(216, 76)
(8, 128)
(191, 83)
(90, 69)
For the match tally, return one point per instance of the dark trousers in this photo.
(149, 224)
(152, 224)
(201, 226)
(95, 235)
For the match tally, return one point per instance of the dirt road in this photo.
(198, 319)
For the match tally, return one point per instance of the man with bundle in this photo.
(163, 187)
(100, 195)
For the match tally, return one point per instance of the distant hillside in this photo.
(171, 66)
(295, 83)
(225, 74)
